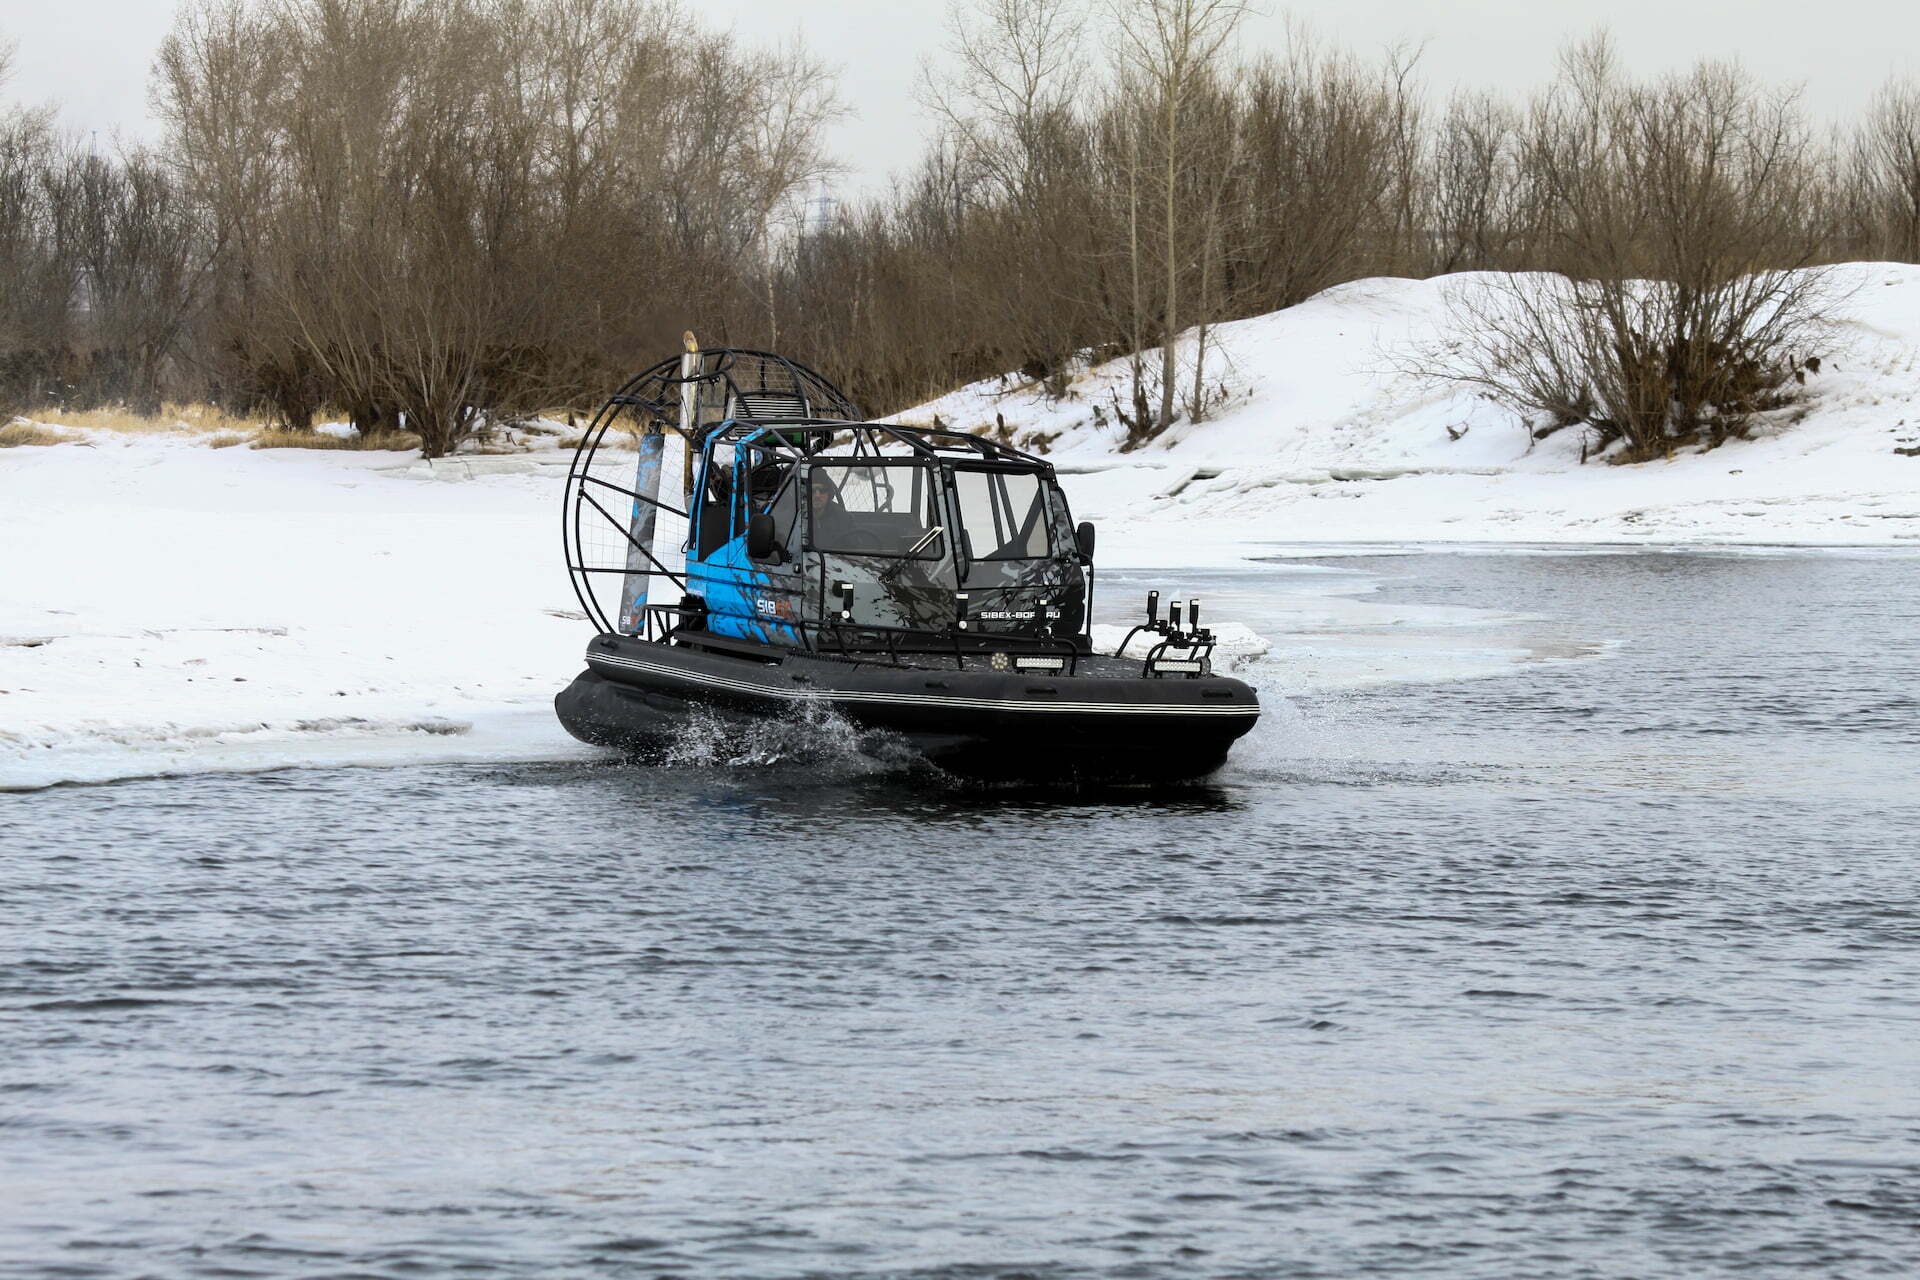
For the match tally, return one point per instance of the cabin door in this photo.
(879, 545)
(752, 599)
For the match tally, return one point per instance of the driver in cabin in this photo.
(829, 513)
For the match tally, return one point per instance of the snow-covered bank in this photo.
(1325, 437)
(166, 607)
(169, 608)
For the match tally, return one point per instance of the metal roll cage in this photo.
(655, 395)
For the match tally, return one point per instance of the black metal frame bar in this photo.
(637, 497)
(635, 543)
(651, 396)
(1201, 651)
(930, 443)
(663, 622)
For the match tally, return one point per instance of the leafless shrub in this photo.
(1680, 217)
(1640, 361)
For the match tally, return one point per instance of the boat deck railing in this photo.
(667, 623)
(878, 642)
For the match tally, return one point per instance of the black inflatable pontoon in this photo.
(926, 583)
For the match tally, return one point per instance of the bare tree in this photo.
(1122, 280)
(1017, 66)
(137, 254)
(1174, 47)
(1211, 185)
(1477, 192)
(792, 103)
(1325, 171)
(448, 212)
(35, 304)
(1886, 164)
(1008, 102)
(1683, 216)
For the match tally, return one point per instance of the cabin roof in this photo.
(875, 440)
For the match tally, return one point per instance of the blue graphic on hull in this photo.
(633, 595)
(743, 599)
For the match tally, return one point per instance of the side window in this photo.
(1004, 514)
(770, 488)
(785, 508)
(874, 509)
(717, 502)
(766, 473)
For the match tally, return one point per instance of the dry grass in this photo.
(317, 440)
(21, 432)
(207, 425)
(184, 419)
(196, 424)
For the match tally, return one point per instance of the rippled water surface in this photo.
(1601, 966)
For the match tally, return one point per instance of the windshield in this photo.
(1004, 514)
(873, 509)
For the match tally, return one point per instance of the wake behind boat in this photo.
(744, 542)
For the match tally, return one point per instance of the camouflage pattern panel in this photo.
(909, 593)
(1015, 597)
(1066, 543)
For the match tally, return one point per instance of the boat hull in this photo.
(644, 697)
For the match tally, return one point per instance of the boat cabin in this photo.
(739, 493)
(827, 534)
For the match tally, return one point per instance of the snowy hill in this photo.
(1325, 436)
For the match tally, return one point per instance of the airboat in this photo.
(746, 545)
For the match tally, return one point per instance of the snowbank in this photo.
(1325, 437)
(168, 607)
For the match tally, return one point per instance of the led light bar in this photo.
(1025, 663)
(1179, 666)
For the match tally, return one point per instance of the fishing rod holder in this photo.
(1185, 649)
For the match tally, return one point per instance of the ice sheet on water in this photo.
(107, 753)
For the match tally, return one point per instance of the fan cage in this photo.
(601, 507)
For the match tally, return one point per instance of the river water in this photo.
(1602, 962)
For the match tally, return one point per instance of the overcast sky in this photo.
(92, 56)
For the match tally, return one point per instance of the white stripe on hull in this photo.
(914, 699)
